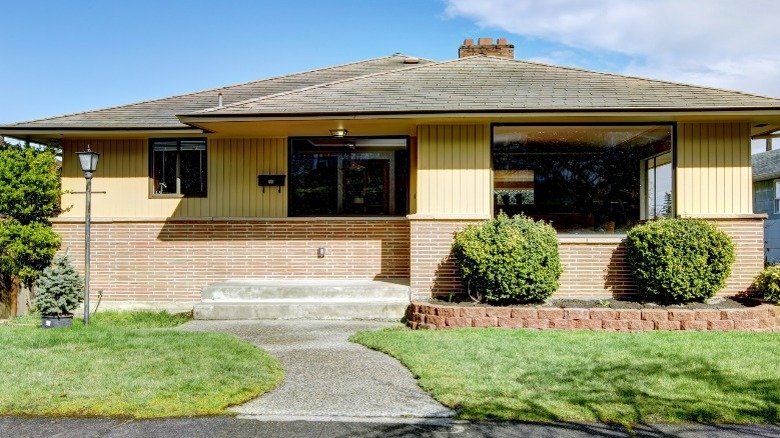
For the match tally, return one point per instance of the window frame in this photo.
(178, 140)
(776, 197)
(643, 207)
(401, 211)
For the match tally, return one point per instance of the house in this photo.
(766, 199)
(364, 171)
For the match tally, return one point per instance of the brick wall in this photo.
(433, 268)
(748, 238)
(594, 265)
(171, 261)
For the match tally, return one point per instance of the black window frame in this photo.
(401, 210)
(673, 151)
(178, 140)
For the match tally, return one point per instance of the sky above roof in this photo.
(63, 57)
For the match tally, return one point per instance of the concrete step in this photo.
(386, 311)
(306, 289)
(304, 299)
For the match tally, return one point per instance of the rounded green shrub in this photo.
(679, 260)
(767, 284)
(508, 260)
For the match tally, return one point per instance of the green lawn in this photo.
(128, 364)
(593, 376)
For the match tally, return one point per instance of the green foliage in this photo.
(509, 260)
(679, 260)
(60, 288)
(29, 184)
(25, 250)
(767, 284)
(29, 195)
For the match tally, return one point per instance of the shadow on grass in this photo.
(604, 389)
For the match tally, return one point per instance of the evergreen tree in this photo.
(666, 211)
(60, 288)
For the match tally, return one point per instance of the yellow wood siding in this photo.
(453, 170)
(713, 169)
(123, 173)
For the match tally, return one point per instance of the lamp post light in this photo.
(88, 161)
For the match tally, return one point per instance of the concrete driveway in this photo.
(326, 375)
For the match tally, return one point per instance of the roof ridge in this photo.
(663, 81)
(212, 89)
(326, 84)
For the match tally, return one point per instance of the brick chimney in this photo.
(485, 46)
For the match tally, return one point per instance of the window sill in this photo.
(572, 238)
(175, 196)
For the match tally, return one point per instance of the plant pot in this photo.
(56, 321)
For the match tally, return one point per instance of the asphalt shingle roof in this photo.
(766, 165)
(484, 83)
(386, 85)
(161, 113)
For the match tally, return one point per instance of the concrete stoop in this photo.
(304, 299)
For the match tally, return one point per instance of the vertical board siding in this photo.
(453, 169)
(713, 168)
(123, 173)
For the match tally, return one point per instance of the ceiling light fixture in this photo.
(338, 132)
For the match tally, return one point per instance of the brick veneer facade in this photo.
(171, 261)
(594, 265)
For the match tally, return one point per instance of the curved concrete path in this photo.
(326, 375)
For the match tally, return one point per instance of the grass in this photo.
(625, 378)
(128, 364)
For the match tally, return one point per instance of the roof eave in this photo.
(195, 118)
(42, 134)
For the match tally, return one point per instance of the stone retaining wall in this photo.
(765, 317)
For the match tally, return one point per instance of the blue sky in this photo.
(67, 56)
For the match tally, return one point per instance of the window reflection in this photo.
(584, 178)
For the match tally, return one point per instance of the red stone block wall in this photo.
(171, 261)
(762, 318)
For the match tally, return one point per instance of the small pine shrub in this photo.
(60, 288)
(509, 260)
(767, 284)
(679, 260)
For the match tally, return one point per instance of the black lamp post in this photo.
(88, 161)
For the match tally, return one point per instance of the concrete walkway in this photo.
(326, 375)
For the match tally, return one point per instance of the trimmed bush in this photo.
(508, 260)
(679, 260)
(767, 284)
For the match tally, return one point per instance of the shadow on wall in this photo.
(447, 278)
(618, 278)
(281, 248)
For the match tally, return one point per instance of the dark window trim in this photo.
(153, 195)
(671, 124)
(290, 194)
